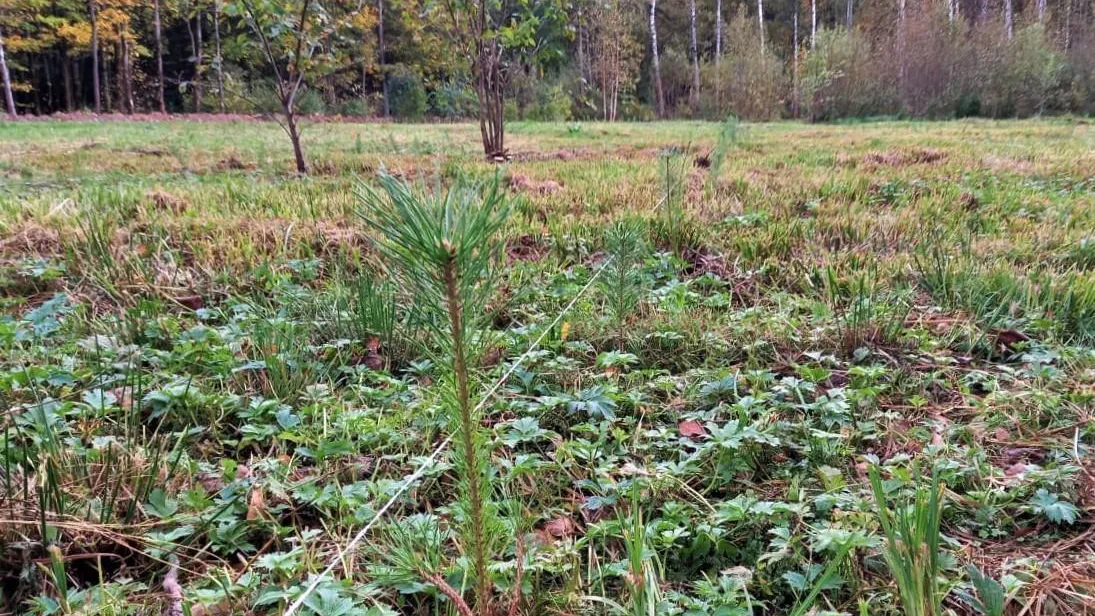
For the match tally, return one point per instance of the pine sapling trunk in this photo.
(467, 429)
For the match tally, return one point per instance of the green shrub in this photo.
(310, 102)
(453, 100)
(552, 104)
(749, 83)
(406, 94)
(355, 107)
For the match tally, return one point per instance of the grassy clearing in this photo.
(208, 376)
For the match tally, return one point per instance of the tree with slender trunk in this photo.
(125, 73)
(760, 23)
(157, 30)
(491, 35)
(902, 70)
(95, 85)
(694, 95)
(813, 24)
(218, 61)
(849, 8)
(794, 62)
(1068, 24)
(288, 34)
(718, 56)
(5, 77)
(583, 64)
(659, 90)
(380, 57)
(66, 79)
(197, 57)
(1009, 19)
(1041, 4)
(616, 55)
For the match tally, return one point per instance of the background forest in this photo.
(560, 59)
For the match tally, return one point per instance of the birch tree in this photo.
(718, 55)
(760, 23)
(616, 56)
(5, 76)
(157, 30)
(694, 50)
(380, 52)
(95, 86)
(813, 24)
(659, 90)
(218, 60)
(1009, 19)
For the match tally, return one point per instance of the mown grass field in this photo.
(195, 382)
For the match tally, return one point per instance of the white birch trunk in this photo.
(718, 56)
(5, 76)
(760, 22)
(813, 24)
(1009, 18)
(658, 91)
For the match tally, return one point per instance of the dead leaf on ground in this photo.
(561, 527)
(691, 429)
(256, 508)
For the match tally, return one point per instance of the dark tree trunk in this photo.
(490, 91)
(157, 32)
(66, 80)
(37, 90)
(96, 94)
(294, 136)
(108, 94)
(47, 63)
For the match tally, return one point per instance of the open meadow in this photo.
(703, 368)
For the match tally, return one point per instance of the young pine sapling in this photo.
(443, 250)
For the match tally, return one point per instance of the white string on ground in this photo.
(408, 482)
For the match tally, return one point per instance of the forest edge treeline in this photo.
(549, 60)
